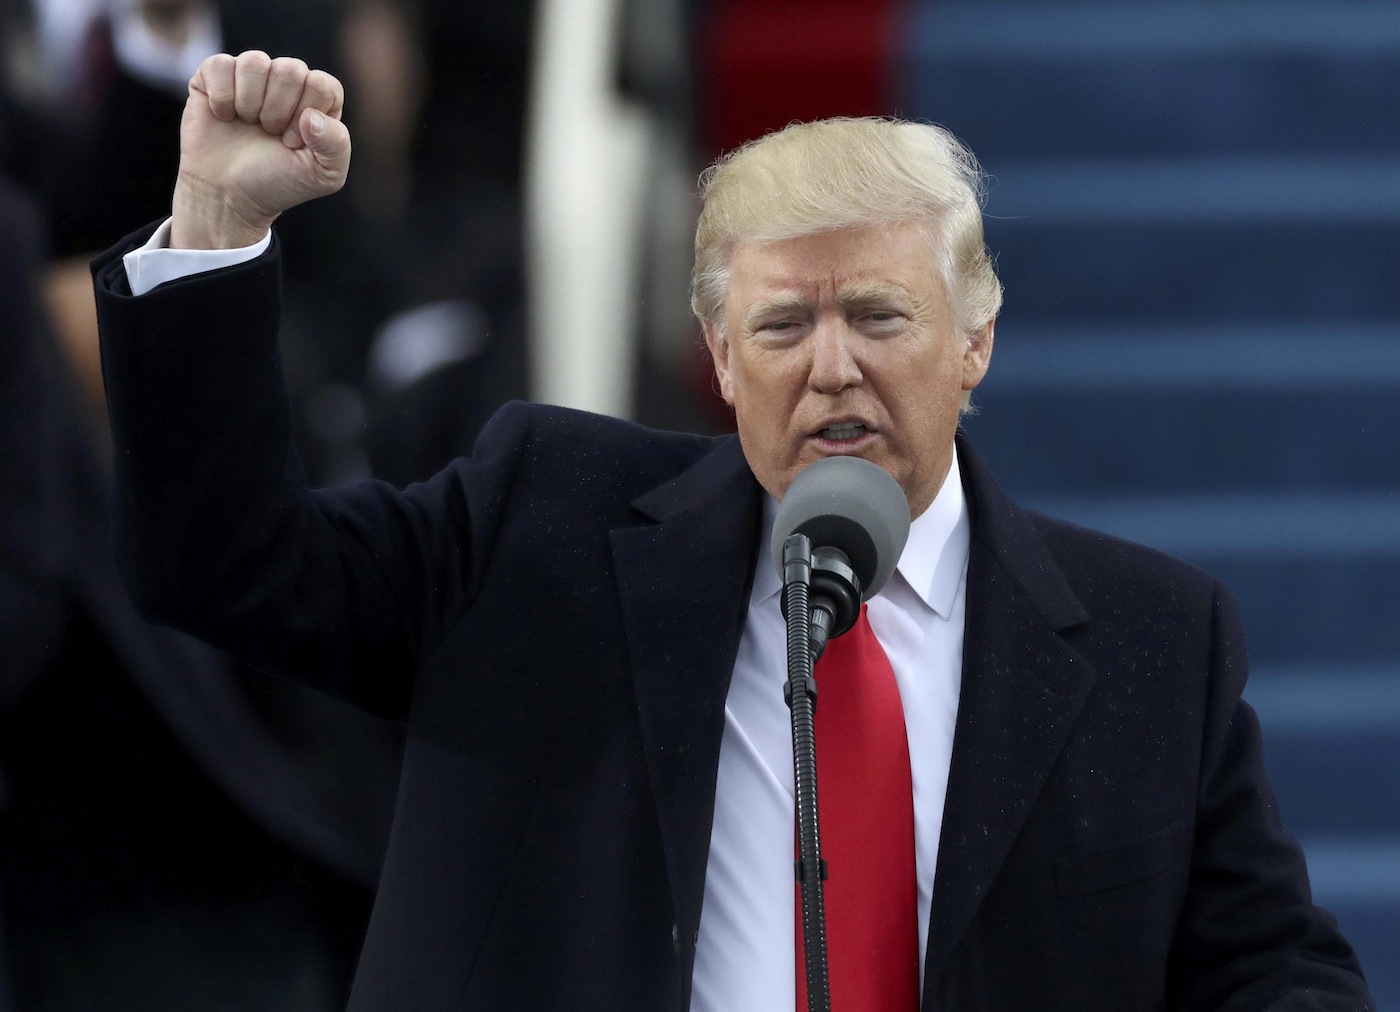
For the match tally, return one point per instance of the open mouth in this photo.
(843, 432)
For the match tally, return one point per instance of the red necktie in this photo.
(866, 806)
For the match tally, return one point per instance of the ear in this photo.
(719, 351)
(978, 355)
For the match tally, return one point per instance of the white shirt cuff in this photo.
(155, 263)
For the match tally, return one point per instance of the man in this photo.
(579, 627)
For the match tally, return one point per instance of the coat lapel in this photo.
(1022, 688)
(684, 583)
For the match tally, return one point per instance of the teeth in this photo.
(848, 431)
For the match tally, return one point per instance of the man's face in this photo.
(843, 343)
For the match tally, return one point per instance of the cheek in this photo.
(745, 384)
(766, 387)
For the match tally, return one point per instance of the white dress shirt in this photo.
(745, 948)
(745, 957)
(155, 263)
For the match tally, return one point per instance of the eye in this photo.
(782, 330)
(879, 319)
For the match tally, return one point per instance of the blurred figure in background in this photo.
(442, 199)
(413, 276)
(167, 840)
(174, 834)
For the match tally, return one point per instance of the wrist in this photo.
(203, 217)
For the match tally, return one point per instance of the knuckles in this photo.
(288, 70)
(253, 62)
(244, 86)
(218, 64)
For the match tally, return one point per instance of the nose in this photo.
(834, 366)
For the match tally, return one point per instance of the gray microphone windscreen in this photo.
(850, 504)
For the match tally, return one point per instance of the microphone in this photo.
(856, 518)
(837, 537)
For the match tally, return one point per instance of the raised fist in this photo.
(258, 136)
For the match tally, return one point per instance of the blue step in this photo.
(1239, 191)
(1115, 79)
(1197, 241)
(1307, 768)
(1134, 409)
(1333, 724)
(1310, 610)
(1317, 576)
(1196, 273)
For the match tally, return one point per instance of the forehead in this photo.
(898, 257)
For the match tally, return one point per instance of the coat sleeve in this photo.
(1250, 936)
(217, 532)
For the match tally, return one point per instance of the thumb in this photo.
(328, 141)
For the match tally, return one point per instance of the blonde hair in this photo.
(843, 173)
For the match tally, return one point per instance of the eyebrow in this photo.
(876, 291)
(863, 294)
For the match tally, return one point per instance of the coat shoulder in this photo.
(589, 451)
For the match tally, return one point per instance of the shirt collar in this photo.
(935, 556)
(934, 559)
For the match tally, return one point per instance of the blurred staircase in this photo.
(1196, 211)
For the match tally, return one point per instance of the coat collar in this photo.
(690, 569)
(1022, 689)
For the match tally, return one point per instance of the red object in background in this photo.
(765, 63)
